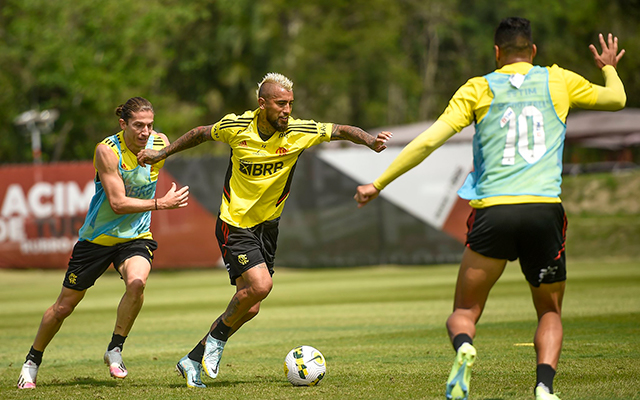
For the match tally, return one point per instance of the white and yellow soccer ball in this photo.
(305, 366)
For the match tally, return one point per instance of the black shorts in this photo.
(534, 233)
(89, 260)
(243, 249)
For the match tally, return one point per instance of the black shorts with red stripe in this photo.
(534, 233)
(244, 248)
(89, 260)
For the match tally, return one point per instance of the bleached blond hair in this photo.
(276, 79)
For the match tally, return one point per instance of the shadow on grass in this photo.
(83, 380)
(235, 383)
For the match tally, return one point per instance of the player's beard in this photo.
(279, 126)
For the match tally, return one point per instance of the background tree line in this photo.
(369, 63)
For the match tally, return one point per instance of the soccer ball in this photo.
(304, 366)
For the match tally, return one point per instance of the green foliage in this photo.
(362, 62)
(604, 215)
(381, 330)
(83, 58)
(604, 194)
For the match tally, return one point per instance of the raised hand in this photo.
(610, 55)
(174, 198)
(380, 142)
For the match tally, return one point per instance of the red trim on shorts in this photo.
(564, 237)
(225, 232)
(471, 220)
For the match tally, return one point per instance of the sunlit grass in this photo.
(381, 330)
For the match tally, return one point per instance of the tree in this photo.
(369, 63)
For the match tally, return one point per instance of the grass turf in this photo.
(381, 330)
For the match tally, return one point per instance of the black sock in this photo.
(116, 341)
(544, 376)
(461, 338)
(34, 355)
(197, 353)
(220, 331)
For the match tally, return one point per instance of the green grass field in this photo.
(381, 330)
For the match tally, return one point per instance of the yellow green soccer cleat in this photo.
(542, 394)
(458, 383)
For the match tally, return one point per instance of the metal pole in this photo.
(36, 146)
(37, 123)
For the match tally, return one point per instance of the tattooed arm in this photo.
(190, 139)
(358, 136)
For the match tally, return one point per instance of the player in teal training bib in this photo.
(517, 147)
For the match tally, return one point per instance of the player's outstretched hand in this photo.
(365, 193)
(174, 198)
(610, 55)
(148, 156)
(380, 142)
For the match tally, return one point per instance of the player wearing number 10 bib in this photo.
(519, 112)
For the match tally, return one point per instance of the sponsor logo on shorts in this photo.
(73, 278)
(549, 271)
(243, 259)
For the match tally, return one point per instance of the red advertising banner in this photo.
(43, 206)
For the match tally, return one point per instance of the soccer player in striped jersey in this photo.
(115, 231)
(265, 145)
(519, 112)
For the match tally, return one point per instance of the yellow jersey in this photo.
(472, 102)
(260, 172)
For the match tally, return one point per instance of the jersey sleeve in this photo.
(587, 95)
(218, 133)
(158, 143)
(581, 92)
(311, 132)
(229, 125)
(612, 96)
(415, 152)
(461, 110)
(108, 141)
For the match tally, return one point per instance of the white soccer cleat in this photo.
(28, 374)
(212, 354)
(191, 371)
(113, 358)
